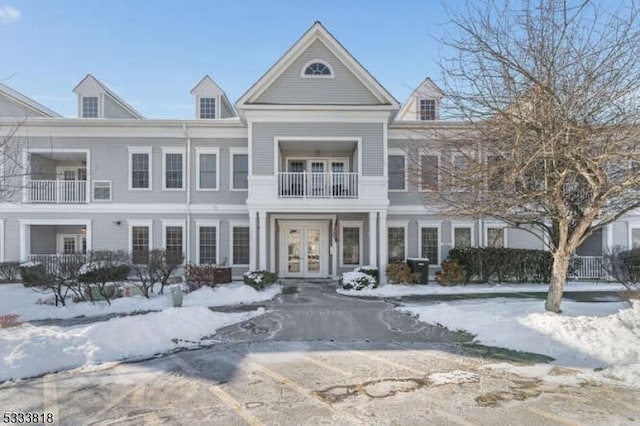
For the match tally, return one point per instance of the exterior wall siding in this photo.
(343, 89)
(113, 110)
(9, 108)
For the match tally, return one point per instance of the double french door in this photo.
(304, 250)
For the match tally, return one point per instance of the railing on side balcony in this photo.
(317, 185)
(587, 267)
(57, 263)
(57, 191)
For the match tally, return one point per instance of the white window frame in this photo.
(177, 223)
(140, 150)
(630, 227)
(463, 224)
(93, 191)
(238, 151)
(218, 99)
(438, 174)
(100, 112)
(238, 224)
(399, 152)
(419, 110)
(131, 224)
(205, 224)
(2, 248)
(399, 224)
(200, 151)
(320, 61)
(173, 150)
(351, 224)
(453, 156)
(431, 224)
(494, 225)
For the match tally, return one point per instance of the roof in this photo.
(427, 84)
(109, 92)
(27, 102)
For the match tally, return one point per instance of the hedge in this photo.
(503, 264)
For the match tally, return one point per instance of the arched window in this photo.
(317, 68)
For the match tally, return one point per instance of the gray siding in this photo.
(343, 89)
(226, 111)
(620, 235)
(113, 110)
(371, 134)
(10, 108)
(412, 196)
(43, 239)
(223, 195)
(519, 238)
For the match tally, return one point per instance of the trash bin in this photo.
(176, 295)
(421, 266)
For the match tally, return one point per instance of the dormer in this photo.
(211, 101)
(95, 100)
(423, 104)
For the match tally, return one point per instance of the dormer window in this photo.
(208, 108)
(317, 69)
(90, 107)
(427, 111)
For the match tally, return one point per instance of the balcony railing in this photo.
(587, 267)
(58, 263)
(57, 191)
(317, 185)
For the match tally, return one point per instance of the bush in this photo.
(624, 267)
(156, 267)
(103, 268)
(34, 275)
(357, 281)
(206, 275)
(9, 271)
(399, 272)
(503, 264)
(372, 271)
(451, 274)
(10, 320)
(260, 279)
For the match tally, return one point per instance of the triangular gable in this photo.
(207, 86)
(15, 104)
(427, 89)
(317, 38)
(92, 85)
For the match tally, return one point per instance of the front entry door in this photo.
(304, 249)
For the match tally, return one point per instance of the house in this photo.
(305, 175)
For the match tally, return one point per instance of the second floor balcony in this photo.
(57, 191)
(317, 185)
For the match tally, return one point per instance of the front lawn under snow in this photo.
(587, 335)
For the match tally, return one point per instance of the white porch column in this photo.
(333, 249)
(608, 248)
(252, 240)
(373, 238)
(384, 249)
(262, 226)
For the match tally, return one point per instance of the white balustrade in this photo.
(57, 191)
(317, 185)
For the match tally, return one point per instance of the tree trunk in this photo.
(558, 279)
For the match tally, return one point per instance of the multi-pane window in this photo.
(429, 172)
(139, 244)
(429, 242)
(173, 240)
(495, 237)
(395, 241)
(240, 171)
(208, 108)
(460, 174)
(173, 170)
(241, 248)
(427, 109)
(90, 107)
(462, 237)
(317, 69)
(351, 245)
(396, 172)
(208, 248)
(140, 170)
(208, 171)
(102, 190)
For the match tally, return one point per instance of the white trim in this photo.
(23, 223)
(140, 150)
(207, 223)
(124, 208)
(494, 225)
(303, 225)
(399, 224)
(351, 224)
(238, 151)
(431, 224)
(278, 139)
(100, 106)
(216, 98)
(77, 242)
(131, 224)
(631, 225)
(2, 241)
(319, 61)
(199, 152)
(173, 150)
(398, 152)
(238, 224)
(93, 191)
(455, 224)
(438, 174)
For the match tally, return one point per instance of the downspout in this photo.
(188, 200)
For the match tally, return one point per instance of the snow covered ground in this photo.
(399, 290)
(587, 336)
(17, 299)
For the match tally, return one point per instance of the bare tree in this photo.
(12, 169)
(548, 89)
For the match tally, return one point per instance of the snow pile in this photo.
(357, 281)
(27, 350)
(455, 377)
(230, 294)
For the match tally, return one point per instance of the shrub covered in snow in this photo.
(9, 271)
(33, 274)
(260, 279)
(372, 271)
(357, 281)
(102, 270)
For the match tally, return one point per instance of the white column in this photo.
(334, 250)
(272, 245)
(383, 246)
(252, 240)
(262, 226)
(609, 234)
(373, 238)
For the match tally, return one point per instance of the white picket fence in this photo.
(587, 267)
